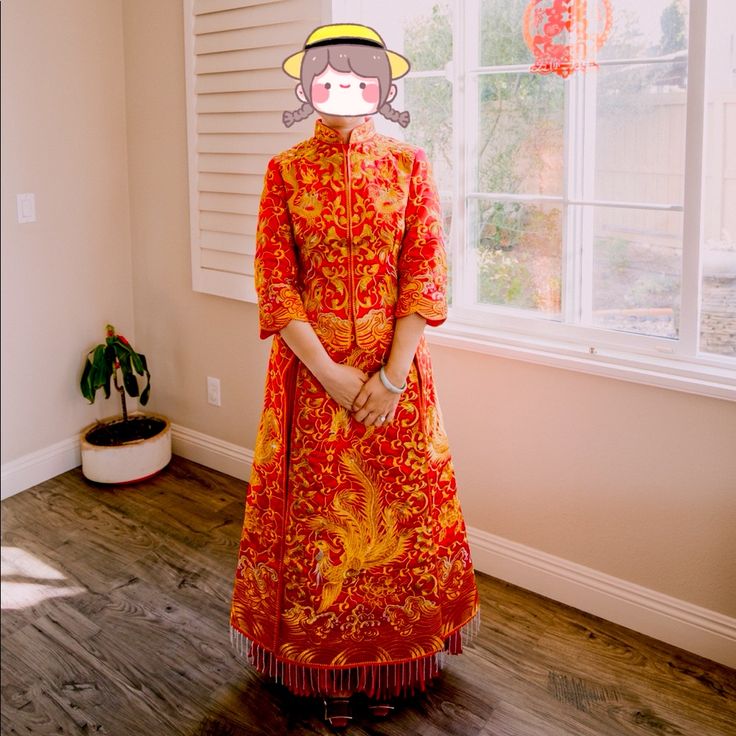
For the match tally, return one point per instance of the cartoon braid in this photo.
(390, 113)
(289, 118)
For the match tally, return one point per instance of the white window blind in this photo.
(236, 94)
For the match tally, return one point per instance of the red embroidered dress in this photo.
(353, 570)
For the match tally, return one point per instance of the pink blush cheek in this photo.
(319, 93)
(370, 93)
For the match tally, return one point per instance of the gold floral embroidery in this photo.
(450, 515)
(257, 580)
(364, 529)
(268, 442)
(374, 329)
(405, 617)
(439, 446)
(313, 624)
(333, 330)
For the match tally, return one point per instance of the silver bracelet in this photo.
(388, 385)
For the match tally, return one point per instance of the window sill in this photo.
(672, 373)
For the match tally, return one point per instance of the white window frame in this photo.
(523, 335)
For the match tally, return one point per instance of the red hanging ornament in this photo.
(565, 35)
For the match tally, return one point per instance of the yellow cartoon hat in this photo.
(345, 33)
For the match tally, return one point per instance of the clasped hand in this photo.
(365, 397)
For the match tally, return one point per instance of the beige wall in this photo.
(189, 335)
(68, 274)
(634, 481)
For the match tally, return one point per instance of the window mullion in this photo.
(587, 85)
(689, 330)
(468, 55)
(455, 73)
(571, 251)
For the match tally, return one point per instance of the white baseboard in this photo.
(212, 452)
(671, 620)
(38, 466)
(699, 630)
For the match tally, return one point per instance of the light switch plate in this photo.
(26, 207)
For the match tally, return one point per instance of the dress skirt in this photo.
(354, 572)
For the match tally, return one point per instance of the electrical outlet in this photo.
(213, 391)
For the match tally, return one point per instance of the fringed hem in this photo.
(377, 680)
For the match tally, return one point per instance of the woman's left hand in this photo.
(375, 405)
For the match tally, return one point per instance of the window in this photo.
(590, 220)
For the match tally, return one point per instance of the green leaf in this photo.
(120, 345)
(131, 384)
(129, 380)
(123, 357)
(122, 352)
(138, 361)
(109, 368)
(85, 384)
(147, 389)
(97, 377)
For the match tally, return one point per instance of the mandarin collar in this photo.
(363, 132)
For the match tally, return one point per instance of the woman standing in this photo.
(354, 573)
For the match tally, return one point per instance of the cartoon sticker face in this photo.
(345, 70)
(344, 93)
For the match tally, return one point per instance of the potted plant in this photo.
(128, 447)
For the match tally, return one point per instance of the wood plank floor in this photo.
(115, 621)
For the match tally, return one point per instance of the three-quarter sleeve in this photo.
(276, 266)
(422, 266)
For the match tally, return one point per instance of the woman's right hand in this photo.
(343, 383)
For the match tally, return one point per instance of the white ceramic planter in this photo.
(133, 461)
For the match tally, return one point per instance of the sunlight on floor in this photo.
(27, 580)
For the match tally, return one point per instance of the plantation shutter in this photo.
(236, 94)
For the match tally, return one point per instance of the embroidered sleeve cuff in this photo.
(277, 307)
(424, 298)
